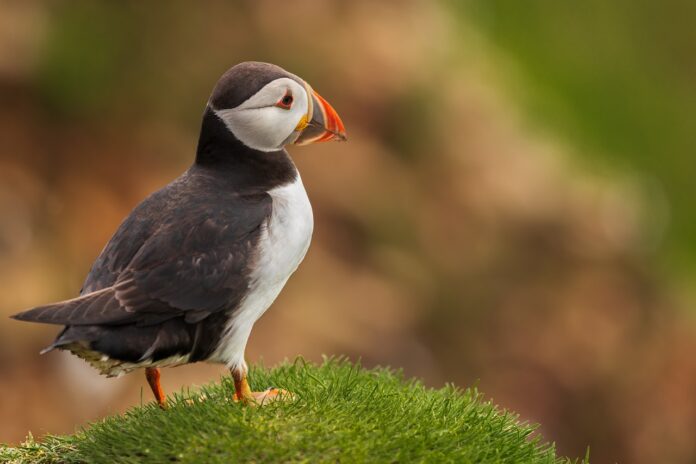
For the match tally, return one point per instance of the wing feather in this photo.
(100, 307)
(194, 264)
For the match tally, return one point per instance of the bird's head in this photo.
(266, 108)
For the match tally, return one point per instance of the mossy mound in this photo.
(340, 413)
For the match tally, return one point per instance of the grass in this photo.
(341, 413)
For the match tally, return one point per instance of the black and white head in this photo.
(266, 108)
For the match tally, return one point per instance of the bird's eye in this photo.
(285, 102)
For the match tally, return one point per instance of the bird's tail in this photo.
(53, 346)
(72, 334)
(100, 307)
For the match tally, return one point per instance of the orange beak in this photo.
(321, 123)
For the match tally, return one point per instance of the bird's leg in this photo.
(243, 393)
(153, 378)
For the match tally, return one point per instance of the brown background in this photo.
(456, 236)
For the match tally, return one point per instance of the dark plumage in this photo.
(229, 94)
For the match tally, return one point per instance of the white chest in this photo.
(282, 245)
(285, 239)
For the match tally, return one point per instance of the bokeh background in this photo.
(514, 210)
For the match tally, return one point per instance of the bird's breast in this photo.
(287, 233)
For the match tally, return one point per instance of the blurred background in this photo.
(514, 210)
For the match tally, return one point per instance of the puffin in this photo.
(194, 265)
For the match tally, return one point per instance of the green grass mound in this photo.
(341, 413)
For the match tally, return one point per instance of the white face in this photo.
(268, 119)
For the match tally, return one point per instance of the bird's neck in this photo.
(219, 152)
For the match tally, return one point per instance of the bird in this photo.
(191, 269)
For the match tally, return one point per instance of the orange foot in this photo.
(152, 374)
(263, 397)
(243, 394)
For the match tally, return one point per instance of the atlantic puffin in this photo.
(193, 267)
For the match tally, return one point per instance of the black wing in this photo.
(182, 252)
